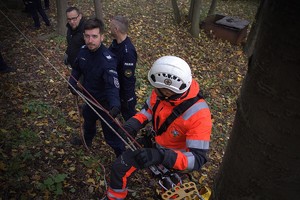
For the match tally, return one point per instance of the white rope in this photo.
(132, 147)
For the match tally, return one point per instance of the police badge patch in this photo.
(116, 82)
(128, 73)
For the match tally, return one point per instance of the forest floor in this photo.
(38, 114)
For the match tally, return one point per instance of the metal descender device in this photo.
(173, 187)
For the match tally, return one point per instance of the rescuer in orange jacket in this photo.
(183, 144)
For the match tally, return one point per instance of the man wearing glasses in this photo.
(98, 66)
(74, 35)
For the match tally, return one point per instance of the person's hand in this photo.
(114, 111)
(129, 131)
(66, 59)
(131, 126)
(145, 141)
(148, 156)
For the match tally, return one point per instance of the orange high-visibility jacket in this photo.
(186, 140)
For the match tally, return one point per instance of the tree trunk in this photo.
(98, 9)
(176, 11)
(251, 39)
(212, 8)
(190, 16)
(196, 18)
(61, 16)
(262, 159)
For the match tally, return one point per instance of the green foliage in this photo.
(90, 161)
(143, 87)
(38, 107)
(53, 184)
(14, 167)
(59, 39)
(61, 121)
(27, 137)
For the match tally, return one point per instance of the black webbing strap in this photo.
(177, 111)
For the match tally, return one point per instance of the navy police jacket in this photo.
(100, 77)
(127, 58)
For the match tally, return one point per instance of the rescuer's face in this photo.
(165, 92)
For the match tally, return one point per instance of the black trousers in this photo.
(35, 7)
(123, 167)
(3, 65)
(47, 5)
(89, 126)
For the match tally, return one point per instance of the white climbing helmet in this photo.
(172, 73)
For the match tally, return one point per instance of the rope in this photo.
(91, 102)
(98, 105)
(80, 124)
(85, 99)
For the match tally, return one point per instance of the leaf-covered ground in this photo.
(38, 114)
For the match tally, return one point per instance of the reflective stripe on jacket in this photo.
(186, 139)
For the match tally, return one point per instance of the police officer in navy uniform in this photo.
(98, 67)
(75, 38)
(126, 54)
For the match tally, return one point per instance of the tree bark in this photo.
(191, 9)
(61, 16)
(176, 11)
(212, 8)
(262, 159)
(251, 39)
(196, 18)
(98, 9)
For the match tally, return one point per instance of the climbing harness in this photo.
(171, 184)
(177, 111)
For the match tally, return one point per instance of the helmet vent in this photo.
(153, 78)
(170, 72)
(182, 86)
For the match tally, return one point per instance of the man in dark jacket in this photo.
(126, 54)
(74, 35)
(99, 69)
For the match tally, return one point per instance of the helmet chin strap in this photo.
(170, 98)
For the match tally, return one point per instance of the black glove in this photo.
(131, 126)
(114, 111)
(66, 59)
(148, 156)
(129, 130)
(146, 141)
